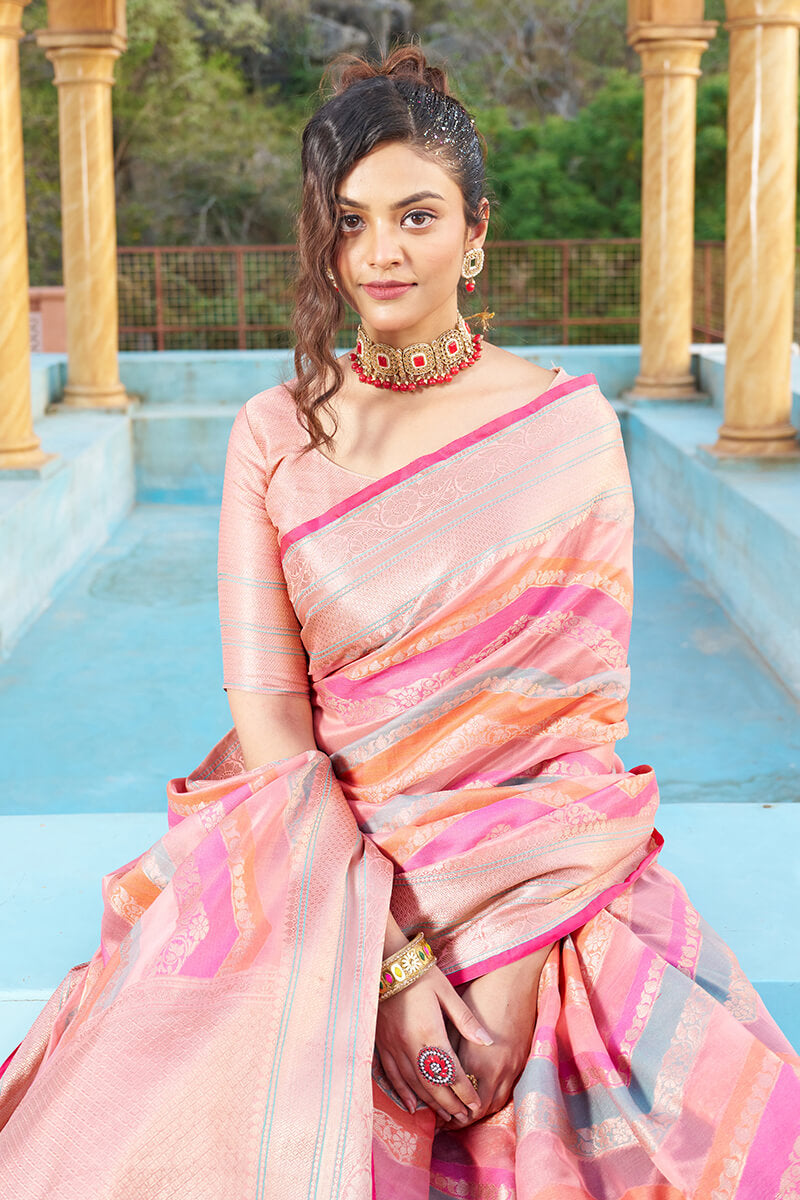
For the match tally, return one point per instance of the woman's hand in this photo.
(415, 1018)
(504, 1001)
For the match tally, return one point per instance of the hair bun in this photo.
(406, 62)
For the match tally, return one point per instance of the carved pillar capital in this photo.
(82, 56)
(674, 52)
(11, 18)
(747, 14)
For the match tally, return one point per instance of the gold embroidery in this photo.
(124, 904)
(790, 1180)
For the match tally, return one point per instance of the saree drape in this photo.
(464, 625)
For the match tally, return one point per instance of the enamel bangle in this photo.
(405, 967)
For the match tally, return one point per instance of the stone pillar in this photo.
(19, 445)
(82, 41)
(760, 229)
(670, 36)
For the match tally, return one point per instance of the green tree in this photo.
(200, 155)
(582, 178)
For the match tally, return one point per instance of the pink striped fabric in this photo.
(463, 627)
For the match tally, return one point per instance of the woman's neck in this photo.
(424, 331)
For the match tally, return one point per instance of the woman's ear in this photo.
(477, 233)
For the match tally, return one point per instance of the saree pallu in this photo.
(465, 622)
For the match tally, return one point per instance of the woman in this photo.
(425, 594)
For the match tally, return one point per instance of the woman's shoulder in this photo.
(269, 418)
(512, 371)
(272, 407)
(523, 376)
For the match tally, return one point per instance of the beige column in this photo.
(84, 75)
(670, 37)
(19, 445)
(760, 228)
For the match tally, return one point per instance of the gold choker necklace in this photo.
(417, 366)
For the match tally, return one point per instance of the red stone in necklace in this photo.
(421, 365)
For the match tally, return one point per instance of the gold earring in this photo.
(472, 266)
(330, 275)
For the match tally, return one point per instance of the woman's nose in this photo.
(383, 248)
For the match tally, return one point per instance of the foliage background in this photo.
(211, 97)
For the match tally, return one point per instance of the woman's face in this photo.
(402, 242)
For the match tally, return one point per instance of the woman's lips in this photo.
(386, 291)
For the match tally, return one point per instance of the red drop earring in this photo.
(472, 266)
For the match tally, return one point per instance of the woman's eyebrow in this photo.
(415, 199)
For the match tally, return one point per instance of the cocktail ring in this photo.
(436, 1065)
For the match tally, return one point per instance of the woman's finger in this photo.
(467, 1093)
(462, 1016)
(441, 1096)
(426, 1095)
(393, 1074)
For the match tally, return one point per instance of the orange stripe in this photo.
(490, 602)
(519, 713)
(723, 1144)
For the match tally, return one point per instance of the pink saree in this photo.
(464, 625)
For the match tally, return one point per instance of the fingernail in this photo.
(461, 1118)
(473, 1108)
(483, 1037)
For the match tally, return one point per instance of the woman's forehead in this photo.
(396, 170)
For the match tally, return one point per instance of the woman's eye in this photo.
(418, 219)
(349, 221)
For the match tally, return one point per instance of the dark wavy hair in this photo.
(401, 99)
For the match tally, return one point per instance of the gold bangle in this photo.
(405, 967)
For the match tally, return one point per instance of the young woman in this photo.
(407, 935)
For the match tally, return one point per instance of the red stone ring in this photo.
(436, 1065)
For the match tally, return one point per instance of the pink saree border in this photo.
(466, 974)
(472, 438)
(8, 1061)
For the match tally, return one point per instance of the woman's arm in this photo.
(271, 725)
(275, 725)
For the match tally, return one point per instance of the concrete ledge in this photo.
(180, 453)
(50, 525)
(48, 378)
(203, 376)
(709, 366)
(735, 526)
(737, 862)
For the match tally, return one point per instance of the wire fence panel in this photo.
(206, 297)
(709, 292)
(558, 292)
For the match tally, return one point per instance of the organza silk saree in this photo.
(464, 624)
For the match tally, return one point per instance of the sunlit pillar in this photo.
(760, 228)
(83, 40)
(19, 445)
(670, 36)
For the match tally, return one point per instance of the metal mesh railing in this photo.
(205, 297)
(575, 291)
